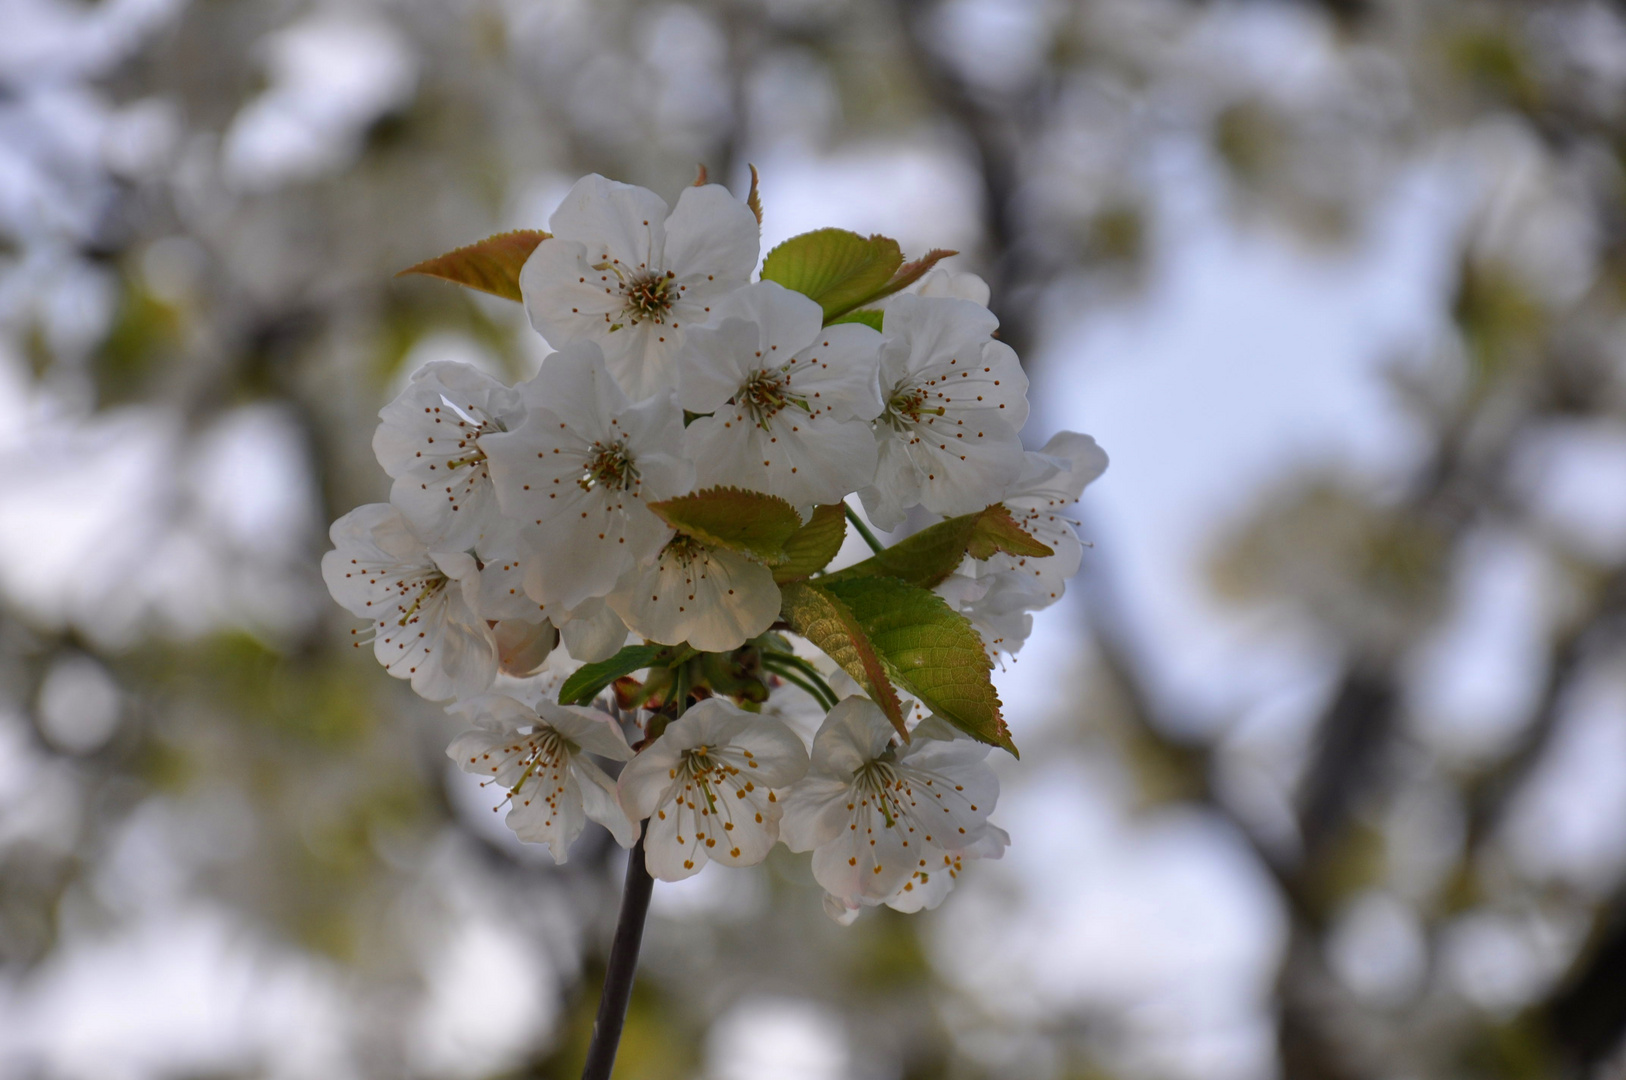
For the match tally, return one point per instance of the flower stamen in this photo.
(610, 466)
(647, 296)
(765, 395)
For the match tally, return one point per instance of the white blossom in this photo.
(539, 758)
(997, 594)
(712, 598)
(622, 271)
(428, 443)
(790, 398)
(709, 787)
(426, 624)
(955, 399)
(577, 474)
(878, 816)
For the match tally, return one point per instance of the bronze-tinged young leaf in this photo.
(839, 269)
(927, 558)
(733, 518)
(909, 273)
(586, 682)
(811, 547)
(870, 317)
(928, 649)
(997, 531)
(752, 198)
(492, 265)
(826, 622)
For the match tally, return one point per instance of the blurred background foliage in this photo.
(1325, 756)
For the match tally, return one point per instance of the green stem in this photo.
(794, 669)
(795, 679)
(863, 530)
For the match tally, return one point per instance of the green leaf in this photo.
(839, 269)
(928, 649)
(927, 558)
(584, 685)
(733, 518)
(828, 623)
(492, 265)
(870, 317)
(811, 547)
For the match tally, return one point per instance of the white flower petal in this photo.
(815, 812)
(594, 632)
(599, 802)
(615, 220)
(523, 647)
(714, 362)
(712, 233)
(805, 461)
(589, 729)
(672, 850)
(715, 600)
(840, 372)
(854, 732)
(547, 809)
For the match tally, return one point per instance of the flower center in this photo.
(428, 586)
(908, 405)
(685, 549)
(609, 466)
(541, 749)
(764, 394)
(880, 781)
(472, 422)
(648, 296)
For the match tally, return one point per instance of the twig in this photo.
(623, 965)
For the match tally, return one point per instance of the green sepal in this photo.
(733, 518)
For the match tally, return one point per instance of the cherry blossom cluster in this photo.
(526, 519)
